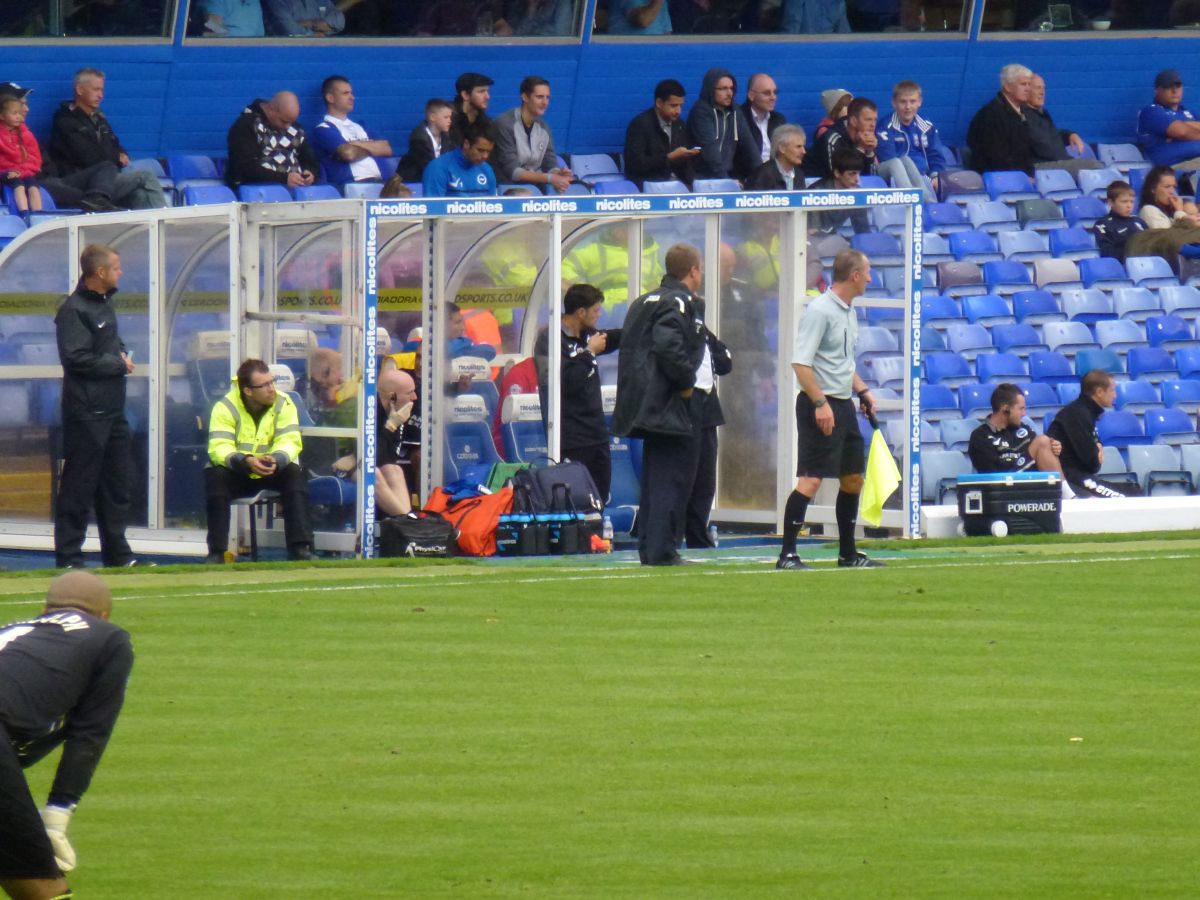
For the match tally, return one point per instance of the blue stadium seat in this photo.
(1040, 215)
(891, 219)
(1040, 399)
(1120, 429)
(827, 246)
(876, 341)
(1006, 277)
(1122, 157)
(264, 193)
(1187, 362)
(885, 371)
(974, 246)
(948, 368)
(387, 166)
(1137, 303)
(1021, 339)
(956, 433)
(945, 218)
(1170, 426)
(1105, 273)
(1189, 271)
(189, 167)
(309, 192)
(1171, 332)
(987, 310)
(1105, 360)
(1088, 306)
(1159, 471)
(1137, 396)
(10, 227)
(1119, 335)
(992, 216)
(1051, 368)
(936, 248)
(931, 339)
(624, 493)
(939, 471)
(1009, 186)
(1083, 212)
(1057, 275)
(941, 312)
(962, 186)
(1068, 338)
(595, 167)
(1182, 393)
(362, 190)
(1095, 182)
(1073, 243)
(969, 341)
(1036, 307)
(1150, 272)
(664, 187)
(881, 249)
(873, 182)
(1068, 391)
(617, 186)
(715, 185)
(959, 279)
(938, 402)
(207, 194)
(994, 368)
(1151, 364)
(1024, 246)
(1181, 300)
(1056, 184)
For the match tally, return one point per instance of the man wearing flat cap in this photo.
(1167, 131)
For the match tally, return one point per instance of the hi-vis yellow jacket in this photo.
(232, 431)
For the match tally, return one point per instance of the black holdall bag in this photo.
(577, 480)
(429, 535)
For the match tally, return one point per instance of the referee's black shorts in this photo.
(828, 456)
(25, 850)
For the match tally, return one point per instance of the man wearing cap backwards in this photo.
(473, 93)
(62, 682)
(1167, 131)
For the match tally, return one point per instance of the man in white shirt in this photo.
(759, 109)
(346, 148)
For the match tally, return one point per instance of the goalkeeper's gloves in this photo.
(56, 819)
(398, 417)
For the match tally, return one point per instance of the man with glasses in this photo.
(253, 445)
(759, 110)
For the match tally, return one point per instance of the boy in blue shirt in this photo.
(907, 135)
(1114, 230)
(463, 172)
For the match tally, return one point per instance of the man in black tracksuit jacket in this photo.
(662, 347)
(1075, 428)
(96, 442)
(584, 434)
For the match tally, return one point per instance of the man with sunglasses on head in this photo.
(253, 445)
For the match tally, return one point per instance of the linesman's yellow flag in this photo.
(881, 480)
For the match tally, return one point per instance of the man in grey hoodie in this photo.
(720, 130)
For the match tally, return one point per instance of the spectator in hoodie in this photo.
(81, 137)
(719, 130)
(267, 146)
(657, 144)
(20, 158)
(906, 135)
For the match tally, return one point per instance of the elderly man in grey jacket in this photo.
(524, 151)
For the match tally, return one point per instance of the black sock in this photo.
(793, 518)
(846, 512)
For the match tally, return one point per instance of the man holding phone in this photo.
(254, 444)
(658, 146)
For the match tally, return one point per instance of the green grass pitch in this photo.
(1009, 720)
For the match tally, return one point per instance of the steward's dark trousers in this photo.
(704, 490)
(668, 470)
(222, 485)
(96, 471)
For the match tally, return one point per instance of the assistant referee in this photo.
(62, 681)
(830, 444)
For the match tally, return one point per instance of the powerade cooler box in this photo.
(1026, 502)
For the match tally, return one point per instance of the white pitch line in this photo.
(585, 575)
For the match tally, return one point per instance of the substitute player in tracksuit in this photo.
(62, 682)
(254, 444)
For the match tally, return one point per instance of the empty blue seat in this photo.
(885, 371)
(1187, 361)
(941, 312)
(1151, 364)
(1095, 182)
(936, 248)
(10, 227)
(992, 216)
(624, 492)
(1180, 300)
(974, 246)
(969, 340)
(1169, 332)
(1119, 335)
(1170, 426)
(186, 167)
(715, 185)
(876, 341)
(1072, 243)
(959, 279)
(1150, 272)
(362, 190)
(1040, 215)
(1137, 396)
(1036, 307)
(1067, 391)
(1057, 275)
(1119, 428)
(1088, 359)
(956, 433)
(616, 186)
(987, 310)
(890, 219)
(961, 186)
(994, 368)
(664, 187)
(1183, 393)
(1121, 157)
(948, 368)
(1024, 246)
(1051, 368)
(316, 192)
(1138, 304)
(1083, 211)
(264, 193)
(590, 166)
(207, 194)
(1020, 338)
(1040, 399)
(1055, 184)
(1068, 337)
(931, 339)
(938, 402)
(1009, 186)
(945, 218)
(939, 472)
(1088, 306)
(881, 248)
(1006, 276)
(975, 401)
(1105, 273)
(1158, 471)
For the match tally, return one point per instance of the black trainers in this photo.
(859, 561)
(215, 559)
(789, 561)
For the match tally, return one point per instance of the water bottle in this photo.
(607, 530)
(712, 536)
